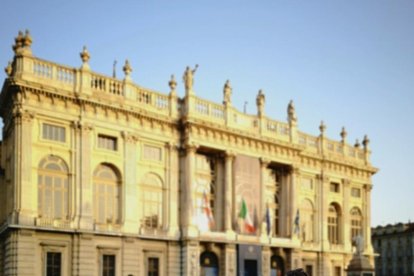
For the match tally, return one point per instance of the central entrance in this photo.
(249, 260)
(250, 268)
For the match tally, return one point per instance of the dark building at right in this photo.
(394, 245)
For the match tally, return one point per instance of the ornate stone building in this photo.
(100, 176)
(394, 245)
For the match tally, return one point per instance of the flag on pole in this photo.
(296, 223)
(268, 226)
(208, 213)
(244, 214)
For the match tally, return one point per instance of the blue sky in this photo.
(349, 63)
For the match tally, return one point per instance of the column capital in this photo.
(229, 154)
(323, 177)
(129, 137)
(191, 147)
(24, 115)
(368, 187)
(346, 182)
(172, 145)
(264, 162)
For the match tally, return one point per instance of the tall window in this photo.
(107, 195)
(334, 224)
(276, 228)
(107, 142)
(108, 265)
(209, 265)
(307, 214)
(53, 194)
(356, 222)
(53, 264)
(152, 201)
(153, 266)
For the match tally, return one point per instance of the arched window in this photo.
(277, 266)
(307, 214)
(152, 194)
(53, 188)
(209, 264)
(356, 222)
(107, 195)
(334, 219)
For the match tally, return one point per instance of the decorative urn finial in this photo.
(18, 42)
(8, 69)
(127, 68)
(365, 142)
(172, 83)
(322, 128)
(27, 39)
(357, 144)
(260, 102)
(85, 56)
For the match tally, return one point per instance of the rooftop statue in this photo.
(188, 78)
(260, 101)
(227, 93)
(291, 112)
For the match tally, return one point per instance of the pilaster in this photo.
(188, 207)
(191, 258)
(130, 193)
(366, 224)
(264, 163)
(228, 194)
(173, 189)
(230, 260)
(85, 172)
(346, 215)
(25, 204)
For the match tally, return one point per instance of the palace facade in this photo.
(100, 176)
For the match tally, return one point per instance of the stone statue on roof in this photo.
(188, 78)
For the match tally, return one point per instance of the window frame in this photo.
(55, 247)
(104, 145)
(56, 127)
(148, 254)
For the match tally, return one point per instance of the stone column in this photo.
(228, 192)
(230, 260)
(324, 260)
(173, 188)
(263, 180)
(25, 202)
(367, 223)
(86, 174)
(346, 225)
(294, 204)
(189, 207)
(191, 258)
(130, 193)
(266, 260)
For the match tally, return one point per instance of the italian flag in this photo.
(244, 214)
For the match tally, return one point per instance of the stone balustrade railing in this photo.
(82, 80)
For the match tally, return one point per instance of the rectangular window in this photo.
(338, 271)
(307, 184)
(107, 142)
(334, 187)
(309, 270)
(108, 265)
(152, 153)
(53, 132)
(53, 264)
(153, 266)
(355, 192)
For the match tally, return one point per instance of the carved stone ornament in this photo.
(322, 128)
(291, 112)
(343, 134)
(127, 68)
(172, 83)
(129, 137)
(85, 55)
(8, 69)
(18, 42)
(227, 91)
(27, 39)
